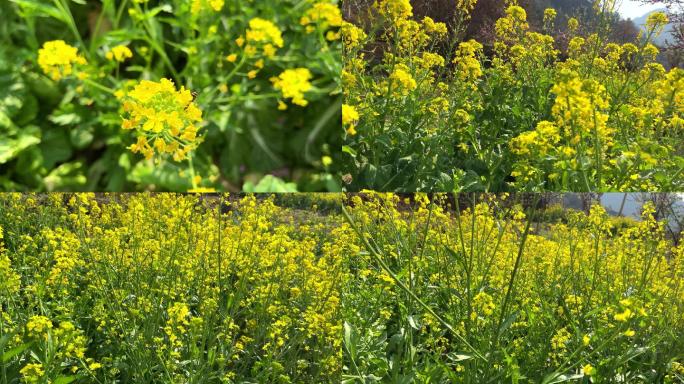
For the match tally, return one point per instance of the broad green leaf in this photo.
(11, 353)
(11, 147)
(270, 184)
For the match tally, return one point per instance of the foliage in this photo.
(428, 111)
(167, 288)
(80, 110)
(479, 295)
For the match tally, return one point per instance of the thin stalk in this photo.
(378, 258)
(516, 267)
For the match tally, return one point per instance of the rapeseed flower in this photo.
(656, 22)
(324, 14)
(200, 5)
(57, 59)
(164, 119)
(402, 81)
(38, 326)
(32, 373)
(119, 53)
(293, 84)
(349, 118)
(466, 60)
(262, 34)
(394, 10)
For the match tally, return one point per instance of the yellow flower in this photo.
(624, 316)
(465, 6)
(323, 13)
(38, 326)
(394, 9)
(352, 36)
(629, 333)
(468, 65)
(57, 58)
(326, 161)
(293, 83)
(9, 279)
(265, 35)
(349, 114)
(589, 370)
(119, 53)
(232, 58)
(438, 29)
(32, 373)
(403, 82)
(162, 115)
(199, 5)
(656, 22)
(549, 16)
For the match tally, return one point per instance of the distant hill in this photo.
(666, 36)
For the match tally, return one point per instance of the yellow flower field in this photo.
(315, 288)
(166, 288)
(491, 294)
(554, 105)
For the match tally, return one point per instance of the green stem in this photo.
(376, 255)
(99, 86)
(192, 172)
(63, 6)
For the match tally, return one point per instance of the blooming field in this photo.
(176, 95)
(297, 289)
(426, 109)
(167, 288)
(491, 295)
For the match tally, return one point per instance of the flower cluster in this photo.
(467, 61)
(57, 59)
(199, 5)
(349, 118)
(293, 84)
(119, 53)
(394, 10)
(263, 36)
(165, 119)
(324, 15)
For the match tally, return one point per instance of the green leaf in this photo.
(55, 146)
(561, 378)
(458, 357)
(28, 111)
(81, 137)
(65, 379)
(165, 177)
(7, 356)
(39, 7)
(65, 118)
(349, 150)
(5, 121)
(269, 184)
(10, 148)
(349, 340)
(413, 323)
(68, 176)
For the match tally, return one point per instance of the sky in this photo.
(631, 9)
